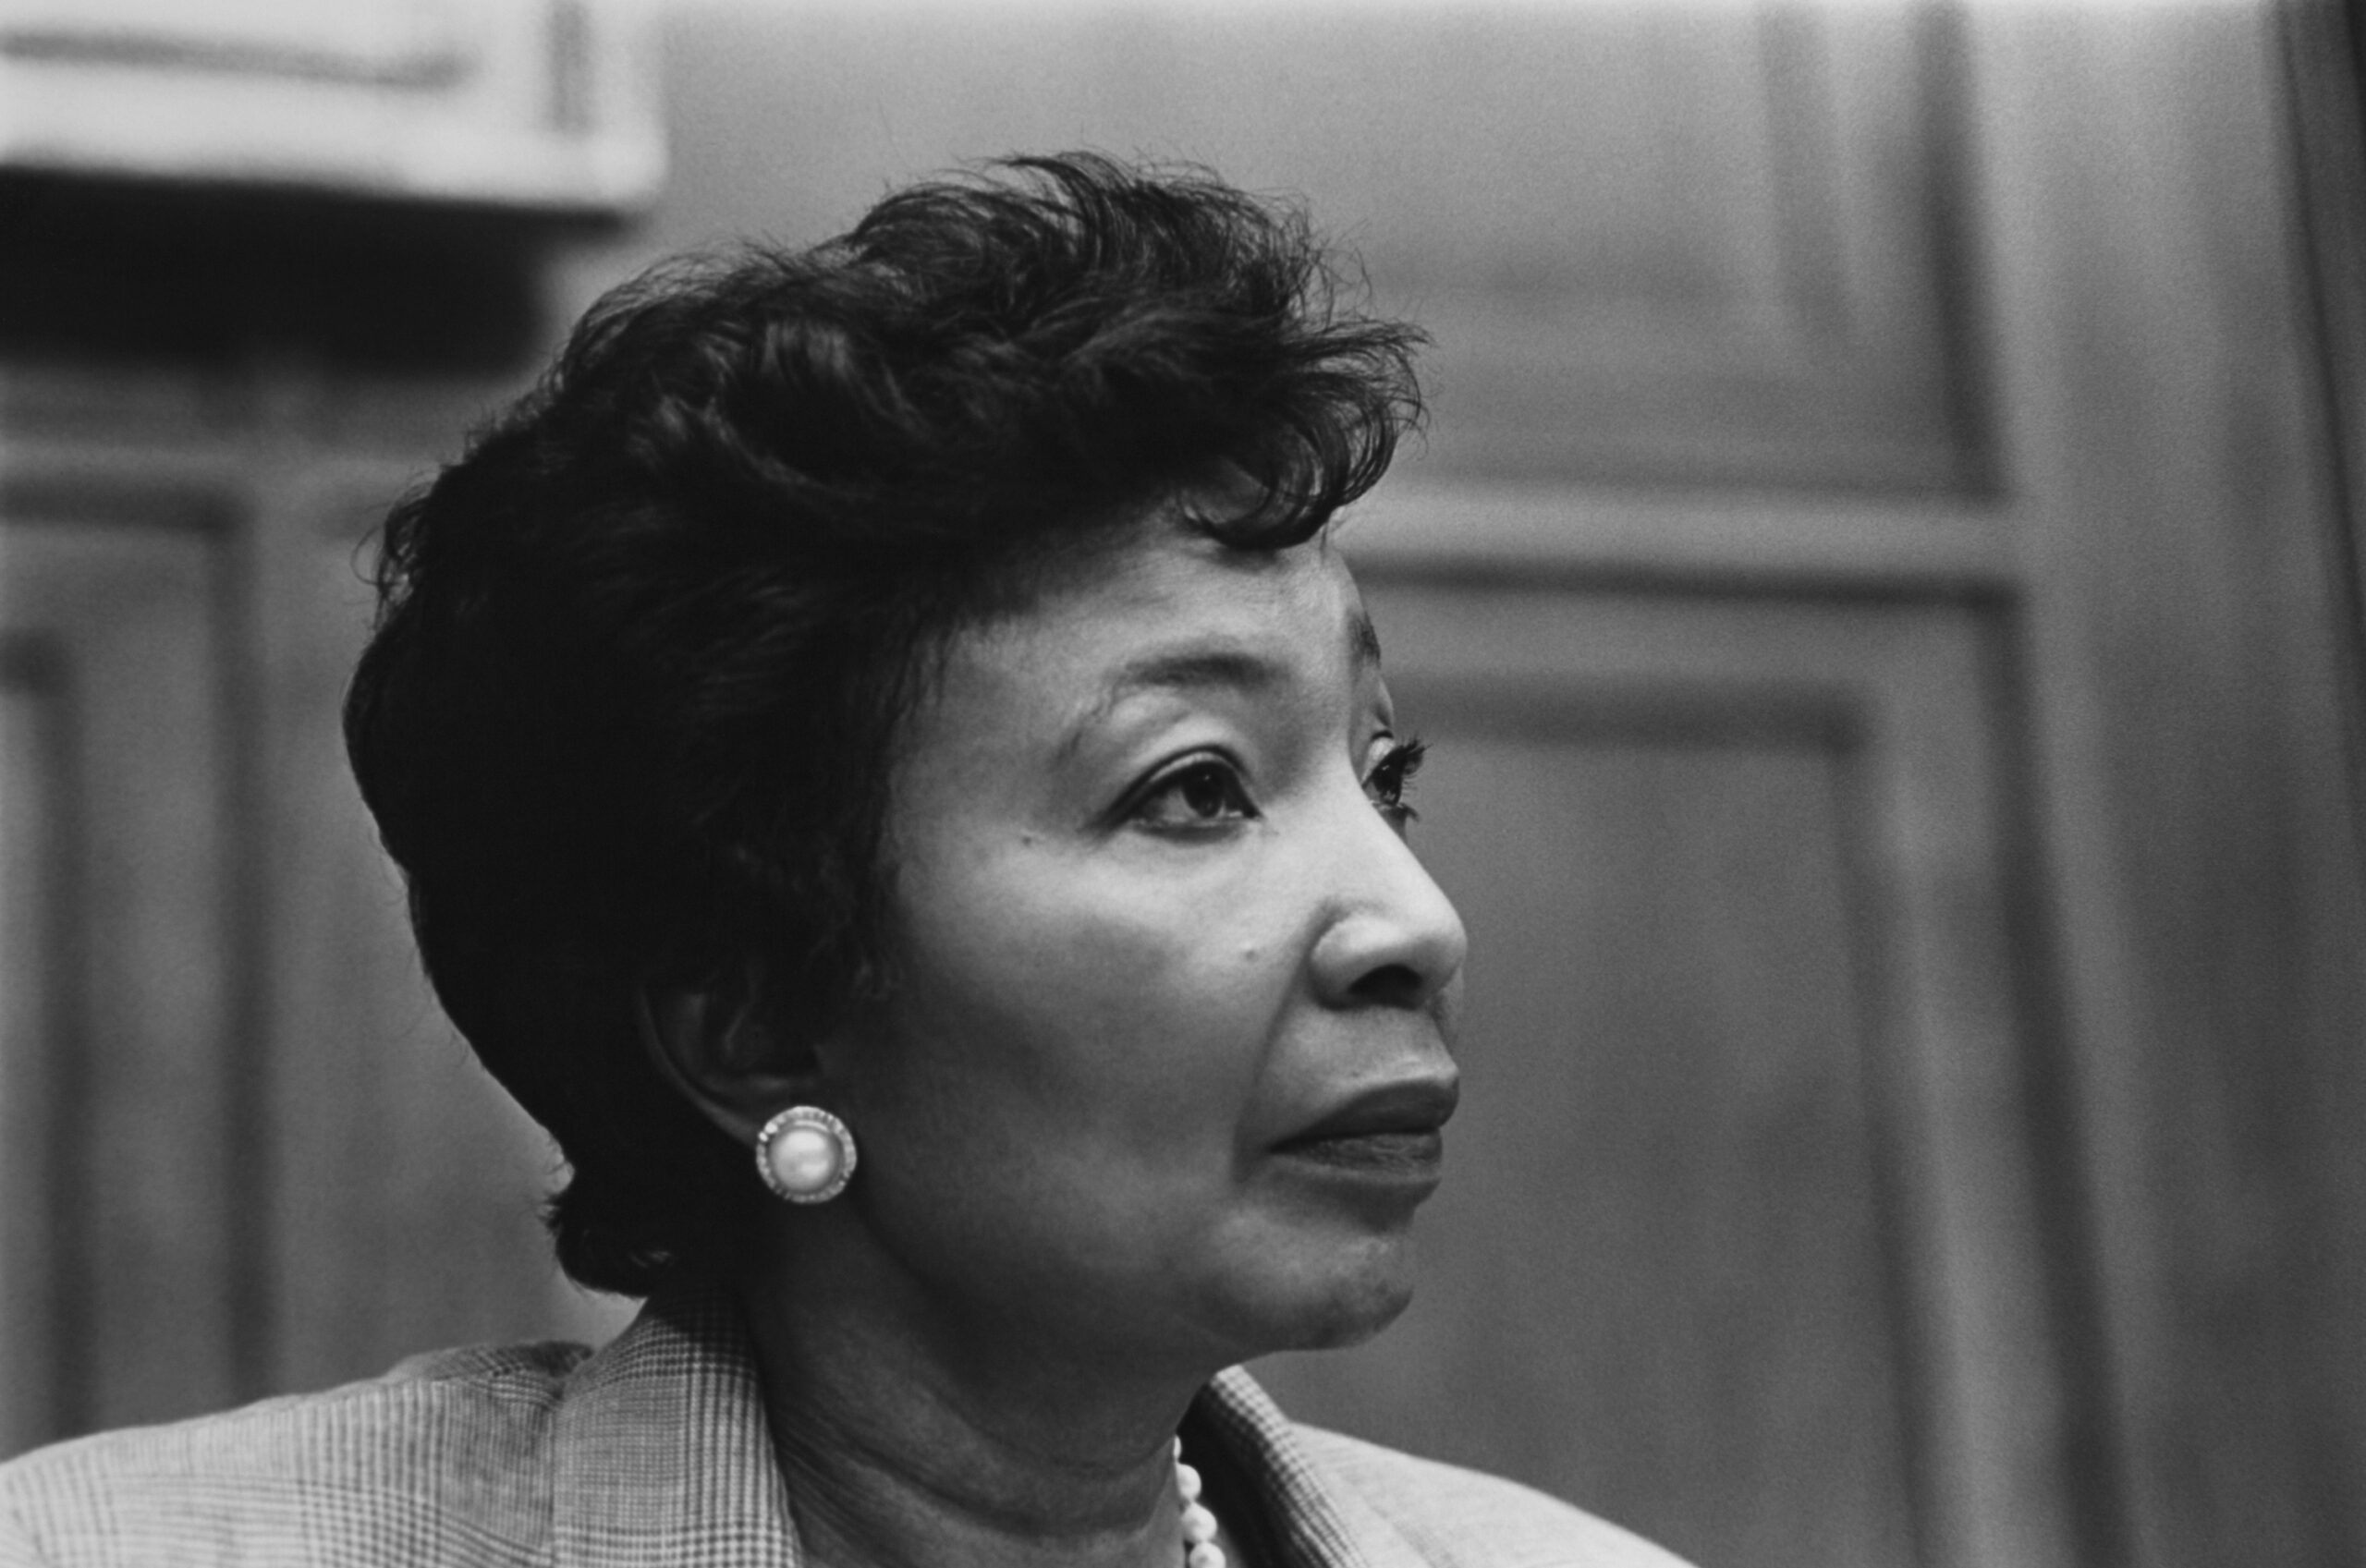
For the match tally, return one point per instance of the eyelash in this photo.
(1391, 776)
(1236, 804)
(1386, 786)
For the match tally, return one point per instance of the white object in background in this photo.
(533, 103)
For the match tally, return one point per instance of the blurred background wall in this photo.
(1880, 584)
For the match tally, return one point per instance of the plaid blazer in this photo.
(654, 1451)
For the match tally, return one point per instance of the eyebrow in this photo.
(1183, 669)
(1363, 641)
(1200, 669)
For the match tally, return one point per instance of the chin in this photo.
(1354, 1320)
(1326, 1298)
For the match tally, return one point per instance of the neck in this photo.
(913, 1434)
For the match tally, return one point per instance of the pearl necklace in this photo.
(1200, 1548)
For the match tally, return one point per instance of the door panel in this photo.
(117, 957)
(405, 1211)
(1742, 1192)
(37, 953)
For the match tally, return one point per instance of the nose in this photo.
(1393, 938)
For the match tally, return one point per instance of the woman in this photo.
(893, 774)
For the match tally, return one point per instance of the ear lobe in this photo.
(719, 1054)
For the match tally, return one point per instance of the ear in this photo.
(714, 1046)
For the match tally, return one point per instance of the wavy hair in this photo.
(642, 651)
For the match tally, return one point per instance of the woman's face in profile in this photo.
(1165, 1066)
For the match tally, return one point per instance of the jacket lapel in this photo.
(1323, 1524)
(663, 1453)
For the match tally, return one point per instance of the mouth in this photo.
(1394, 1132)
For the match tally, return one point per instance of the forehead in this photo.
(1163, 573)
(1155, 603)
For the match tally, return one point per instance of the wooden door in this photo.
(118, 921)
(404, 1211)
(1747, 1173)
(1871, 578)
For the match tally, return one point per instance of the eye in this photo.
(1205, 792)
(1391, 777)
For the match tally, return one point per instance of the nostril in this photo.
(1391, 985)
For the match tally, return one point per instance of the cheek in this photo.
(1067, 1091)
(1103, 1008)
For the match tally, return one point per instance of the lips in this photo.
(1391, 1130)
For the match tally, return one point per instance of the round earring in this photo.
(805, 1155)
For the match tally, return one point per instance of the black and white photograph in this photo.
(1183, 784)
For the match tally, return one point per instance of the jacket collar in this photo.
(1320, 1523)
(663, 1455)
(663, 1451)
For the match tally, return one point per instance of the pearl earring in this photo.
(805, 1155)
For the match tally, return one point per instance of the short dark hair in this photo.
(641, 652)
